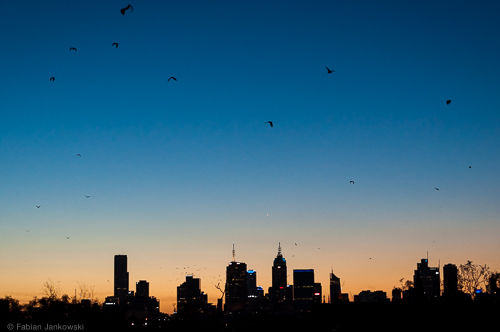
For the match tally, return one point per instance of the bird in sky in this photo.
(73, 49)
(270, 123)
(67, 237)
(87, 196)
(52, 79)
(329, 71)
(436, 188)
(295, 243)
(171, 78)
(37, 206)
(115, 44)
(351, 181)
(78, 154)
(470, 166)
(448, 101)
(123, 10)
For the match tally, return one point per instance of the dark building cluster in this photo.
(138, 307)
(244, 306)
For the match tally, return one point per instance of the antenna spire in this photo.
(234, 254)
(279, 249)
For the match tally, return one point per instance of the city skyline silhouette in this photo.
(360, 136)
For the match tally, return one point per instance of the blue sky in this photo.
(196, 153)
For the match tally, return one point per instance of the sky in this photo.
(180, 170)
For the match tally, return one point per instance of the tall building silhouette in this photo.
(318, 292)
(426, 281)
(190, 298)
(142, 288)
(335, 291)
(278, 290)
(450, 280)
(121, 278)
(236, 285)
(303, 288)
(251, 283)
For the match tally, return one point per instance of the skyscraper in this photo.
(303, 288)
(251, 283)
(335, 291)
(450, 280)
(121, 278)
(427, 281)
(278, 287)
(142, 288)
(190, 298)
(236, 285)
(318, 292)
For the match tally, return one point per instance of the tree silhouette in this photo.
(405, 284)
(472, 277)
(86, 291)
(220, 290)
(50, 290)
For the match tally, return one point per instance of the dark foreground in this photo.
(342, 317)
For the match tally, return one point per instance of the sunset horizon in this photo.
(361, 136)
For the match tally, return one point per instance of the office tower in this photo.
(303, 288)
(427, 281)
(279, 282)
(450, 280)
(142, 288)
(317, 295)
(190, 298)
(335, 291)
(236, 285)
(251, 283)
(121, 278)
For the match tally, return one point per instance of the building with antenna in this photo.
(236, 290)
(426, 281)
(278, 289)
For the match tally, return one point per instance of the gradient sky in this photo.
(178, 171)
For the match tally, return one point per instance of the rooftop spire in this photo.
(279, 249)
(233, 254)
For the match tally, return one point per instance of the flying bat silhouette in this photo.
(73, 49)
(37, 206)
(78, 155)
(329, 71)
(351, 181)
(172, 78)
(67, 237)
(87, 196)
(52, 79)
(123, 10)
(115, 44)
(436, 188)
(448, 101)
(270, 123)
(470, 166)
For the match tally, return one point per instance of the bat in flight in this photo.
(123, 10)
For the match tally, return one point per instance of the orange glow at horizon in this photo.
(164, 265)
